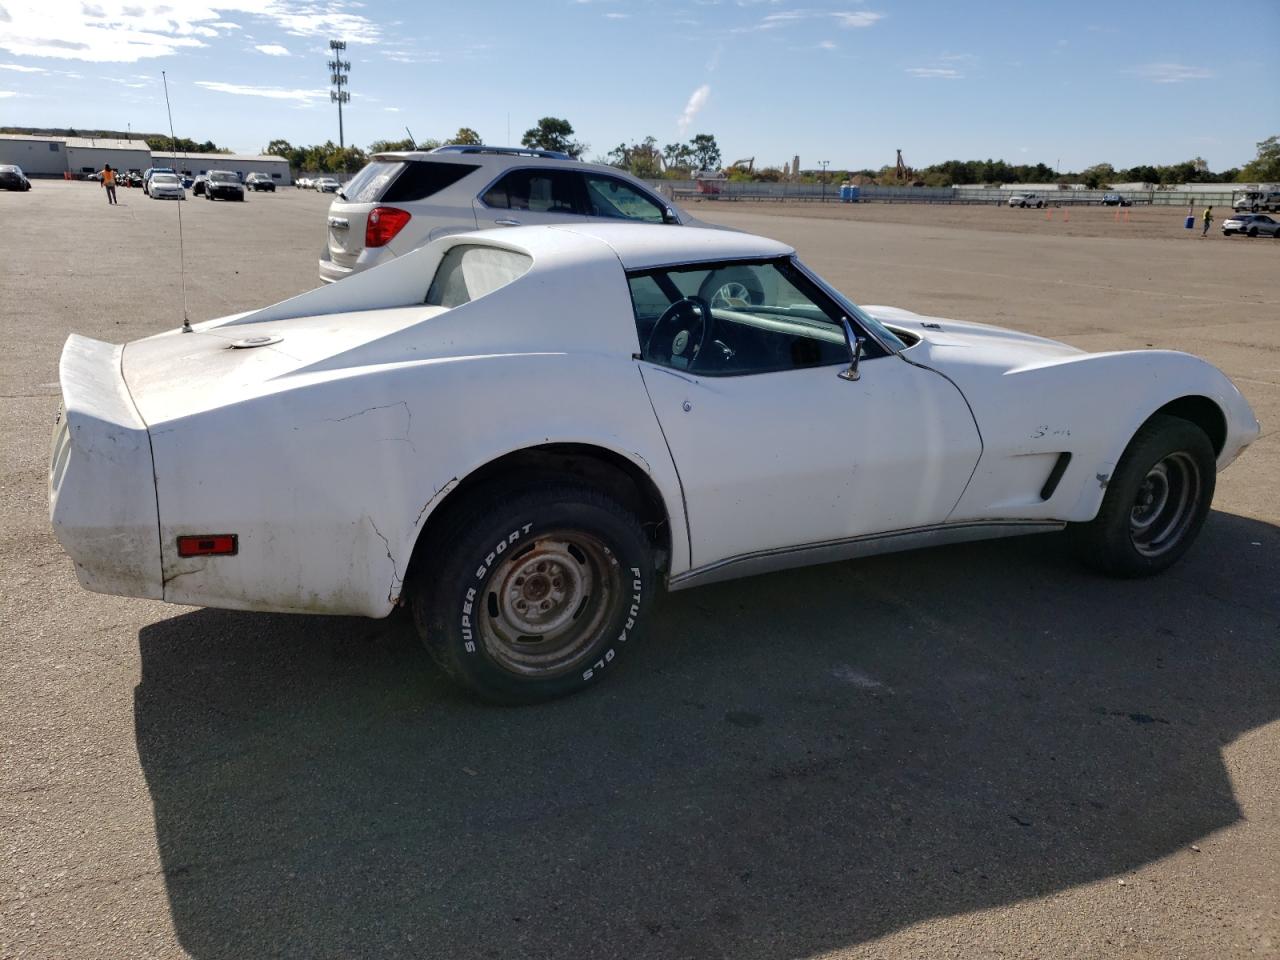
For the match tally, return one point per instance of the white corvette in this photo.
(522, 433)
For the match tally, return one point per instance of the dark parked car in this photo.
(223, 185)
(198, 185)
(260, 181)
(1251, 225)
(12, 178)
(1114, 200)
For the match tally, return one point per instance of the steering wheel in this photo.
(670, 341)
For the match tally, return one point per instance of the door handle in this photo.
(507, 223)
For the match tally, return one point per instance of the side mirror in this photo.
(669, 216)
(854, 343)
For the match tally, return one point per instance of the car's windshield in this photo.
(164, 178)
(223, 177)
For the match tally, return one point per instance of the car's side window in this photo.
(611, 197)
(736, 319)
(538, 191)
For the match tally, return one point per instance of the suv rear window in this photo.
(399, 181)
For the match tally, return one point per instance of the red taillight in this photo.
(209, 545)
(384, 223)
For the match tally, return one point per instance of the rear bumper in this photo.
(331, 271)
(102, 493)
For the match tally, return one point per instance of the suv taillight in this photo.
(383, 224)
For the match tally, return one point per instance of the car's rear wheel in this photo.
(1156, 501)
(1253, 231)
(531, 597)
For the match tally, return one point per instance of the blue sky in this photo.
(849, 82)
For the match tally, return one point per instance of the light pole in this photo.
(823, 164)
(338, 70)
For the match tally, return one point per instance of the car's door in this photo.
(774, 449)
(528, 196)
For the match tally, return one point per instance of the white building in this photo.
(194, 164)
(91, 154)
(37, 156)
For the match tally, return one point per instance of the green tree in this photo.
(1266, 167)
(705, 152)
(553, 133)
(468, 136)
(1098, 176)
(677, 156)
(619, 156)
(387, 146)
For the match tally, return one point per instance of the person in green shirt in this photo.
(1208, 221)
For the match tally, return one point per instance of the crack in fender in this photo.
(397, 581)
(444, 490)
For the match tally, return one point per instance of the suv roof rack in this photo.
(507, 151)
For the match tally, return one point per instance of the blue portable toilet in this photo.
(848, 193)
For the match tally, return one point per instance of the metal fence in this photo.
(730, 190)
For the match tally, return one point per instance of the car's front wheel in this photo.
(1253, 231)
(534, 596)
(1156, 501)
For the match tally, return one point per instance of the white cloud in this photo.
(105, 33)
(19, 68)
(935, 73)
(272, 49)
(8, 93)
(697, 100)
(785, 18)
(1171, 72)
(271, 93)
(617, 16)
(827, 45)
(858, 18)
(391, 109)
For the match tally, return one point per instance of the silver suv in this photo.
(402, 200)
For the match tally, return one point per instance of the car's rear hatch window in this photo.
(400, 181)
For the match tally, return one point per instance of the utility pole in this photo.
(823, 164)
(338, 70)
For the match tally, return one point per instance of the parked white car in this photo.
(400, 201)
(326, 185)
(166, 186)
(1026, 200)
(523, 433)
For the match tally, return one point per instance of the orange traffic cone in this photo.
(1126, 214)
(1048, 213)
(1066, 216)
(1116, 218)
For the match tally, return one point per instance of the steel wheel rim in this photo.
(732, 294)
(1165, 504)
(544, 606)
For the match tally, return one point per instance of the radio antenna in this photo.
(182, 256)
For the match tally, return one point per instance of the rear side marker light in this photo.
(209, 545)
(383, 224)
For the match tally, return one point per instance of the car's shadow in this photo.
(787, 765)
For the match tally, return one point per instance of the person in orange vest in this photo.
(109, 182)
(1208, 221)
